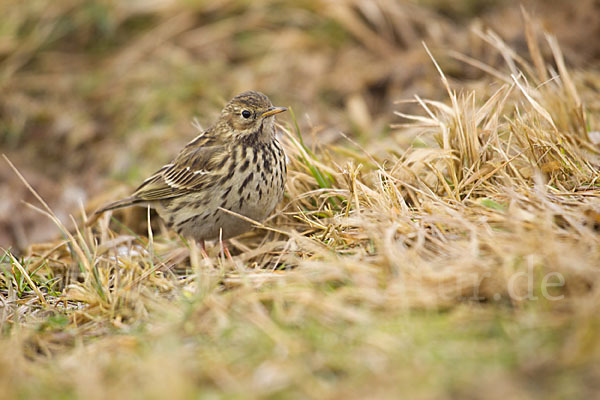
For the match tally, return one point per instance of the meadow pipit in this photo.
(237, 165)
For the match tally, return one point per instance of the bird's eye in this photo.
(246, 114)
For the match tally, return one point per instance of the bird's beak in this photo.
(273, 111)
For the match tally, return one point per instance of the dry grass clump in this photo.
(456, 256)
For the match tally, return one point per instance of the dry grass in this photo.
(453, 255)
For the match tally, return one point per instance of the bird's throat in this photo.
(264, 134)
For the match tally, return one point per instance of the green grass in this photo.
(430, 353)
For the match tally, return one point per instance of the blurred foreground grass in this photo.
(445, 246)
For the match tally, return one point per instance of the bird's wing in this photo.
(196, 168)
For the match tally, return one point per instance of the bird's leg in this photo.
(224, 248)
(203, 248)
(226, 251)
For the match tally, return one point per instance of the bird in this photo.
(236, 165)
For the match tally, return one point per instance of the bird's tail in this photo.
(126, 202)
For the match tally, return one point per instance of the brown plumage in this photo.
(237, 164)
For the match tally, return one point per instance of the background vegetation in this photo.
(440, 232)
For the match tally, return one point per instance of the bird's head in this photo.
(249, 116)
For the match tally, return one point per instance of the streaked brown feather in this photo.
(191, 171)
(237, 164)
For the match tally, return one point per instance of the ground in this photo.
(439, 236)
